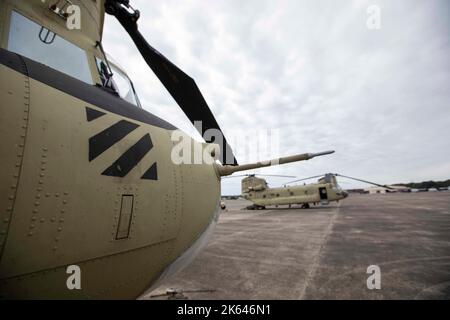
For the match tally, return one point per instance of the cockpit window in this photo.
(35, 42)
(119, 82)
(337, 189)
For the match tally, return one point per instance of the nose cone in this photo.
(190, 253)
(345, 194)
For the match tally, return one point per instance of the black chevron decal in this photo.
(92, 114)
(130, 158)
(102, 141)
(151, 173)
(108, 137)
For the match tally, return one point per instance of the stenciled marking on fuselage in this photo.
(92, 114)
(151, 173)
(108, 137)
(90, 94)
(104, 140)
(130, 158)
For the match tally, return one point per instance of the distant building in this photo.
(375, 190)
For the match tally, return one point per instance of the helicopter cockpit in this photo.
(117, 80)
(36, 42)
(339, 191)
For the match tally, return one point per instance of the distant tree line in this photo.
(425, 184)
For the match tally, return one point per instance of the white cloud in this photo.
(313, 70)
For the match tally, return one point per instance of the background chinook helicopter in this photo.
(258, 191)
(87, 177)
(324, 191)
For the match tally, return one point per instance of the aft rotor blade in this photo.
(365, 181)
(181, 86)
(259, 175)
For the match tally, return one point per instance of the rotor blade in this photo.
(259, 175)
(303, 179)
(365, 181)
(275, 175)
(180, 86)
(237, 176)
(228, 170)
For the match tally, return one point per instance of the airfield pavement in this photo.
(324, 252)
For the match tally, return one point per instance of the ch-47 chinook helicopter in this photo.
(92, 204)
(324, 191)
(256, 190)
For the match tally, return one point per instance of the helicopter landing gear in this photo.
(305, 206)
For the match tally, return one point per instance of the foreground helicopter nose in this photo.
(345, 194)
(189, 254)
(199, 214)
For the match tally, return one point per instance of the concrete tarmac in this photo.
(324, 252)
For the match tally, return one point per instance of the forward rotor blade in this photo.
(365, 181)
(180, 86)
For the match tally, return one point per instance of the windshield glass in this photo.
(119, 82)
(35, 42)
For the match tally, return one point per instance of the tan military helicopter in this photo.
(92, 204)
(326, 190)
(256, 190)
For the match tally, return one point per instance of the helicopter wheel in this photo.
(305, 206)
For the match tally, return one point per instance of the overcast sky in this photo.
(313, 72)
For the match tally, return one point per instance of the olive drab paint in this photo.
(87, 178)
